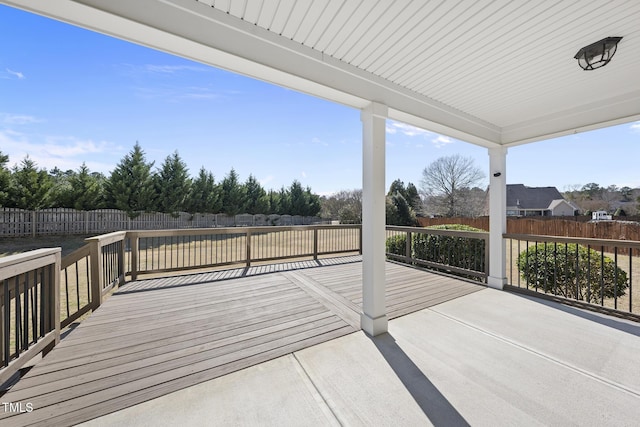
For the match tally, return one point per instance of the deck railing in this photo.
(40, 293)
(107, 264)
(462, 253)
(75, 285)
(29, 307)
(91, 272)
(175, 250)
(595, 273)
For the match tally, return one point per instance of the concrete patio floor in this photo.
(485, 359)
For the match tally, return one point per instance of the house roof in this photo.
(558, 202)
(532, 197)
(493, 73)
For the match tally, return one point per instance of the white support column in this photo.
(373, 319)
(497, 217)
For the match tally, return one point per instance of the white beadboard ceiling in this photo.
(491, 72)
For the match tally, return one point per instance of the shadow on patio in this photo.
(156, 336)
(486, 358)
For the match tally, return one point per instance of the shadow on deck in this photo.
(156, 336)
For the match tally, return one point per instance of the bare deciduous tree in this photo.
(447, 182)
(346, 205)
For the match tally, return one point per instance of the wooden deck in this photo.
(156, 336)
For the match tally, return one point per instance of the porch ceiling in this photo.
(492, 72)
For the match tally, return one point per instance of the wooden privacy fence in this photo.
(19, 222)
(616, 230)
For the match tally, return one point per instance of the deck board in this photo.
(159, 335)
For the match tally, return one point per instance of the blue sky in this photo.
(68, 96)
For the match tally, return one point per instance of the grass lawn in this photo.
(16, 245)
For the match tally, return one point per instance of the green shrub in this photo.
(397, 244)
(572, 271)
(460, 252)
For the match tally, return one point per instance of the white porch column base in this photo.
(374, 327)
(374, 311)
(496, 282)
(497, 217)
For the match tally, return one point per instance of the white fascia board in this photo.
(201, 33)
(605, 113)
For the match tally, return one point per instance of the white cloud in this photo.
(171, 69)
(394, 127)
(635, 127)
(17, 119)
(319, 141)
(176, 93)
(16, 74)
(441, 140)
(199, 92)
(55, 151)
(303, 174)
(158, 69)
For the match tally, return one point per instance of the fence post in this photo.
(96, 273)
(407, 254)
(248, 238)
(360, 239)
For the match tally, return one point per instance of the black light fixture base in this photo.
(597, 54)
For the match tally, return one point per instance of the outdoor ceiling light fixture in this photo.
(597, 54)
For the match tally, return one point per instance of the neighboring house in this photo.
(537, 201)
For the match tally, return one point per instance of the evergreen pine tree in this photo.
(284, 202)
(313, 203)
(29, 187)
(86, 189)
(130, 185)
(233, 194)
(5, 177)
(257, 200)
(297, 199)
(172, 184)
(204, 196)
(60, 195)
(274, 202)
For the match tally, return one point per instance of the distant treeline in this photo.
(134, 186)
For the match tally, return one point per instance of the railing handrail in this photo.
(75, 256)
(248, 233)
(105, 239)
(578, 240)
(14, 265)
(455, 233)
(235, 230)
